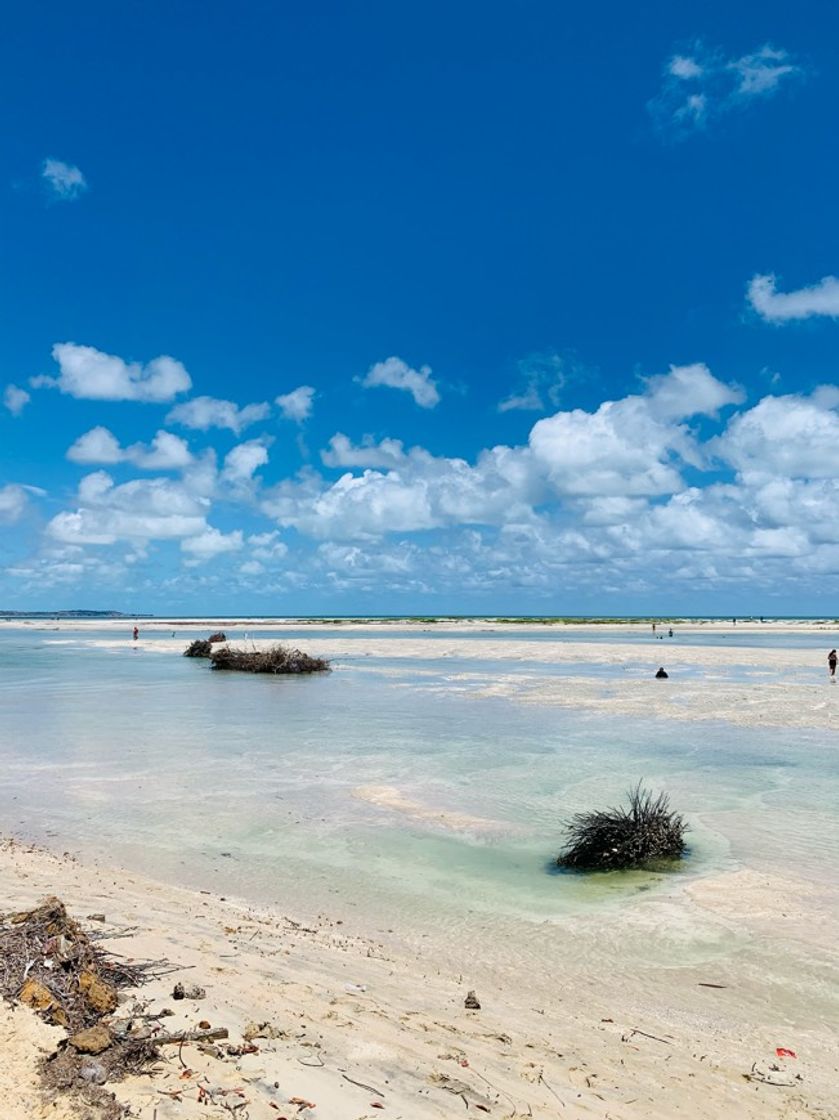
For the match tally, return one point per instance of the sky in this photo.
(474, 308)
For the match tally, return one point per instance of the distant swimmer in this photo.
(661, 675)
(831, 662)
(670, 632)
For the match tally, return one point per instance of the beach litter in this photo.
(188, 991)
(772, 1075)
(472, 1003)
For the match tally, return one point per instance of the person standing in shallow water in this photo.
(136, 633)
(831, 662)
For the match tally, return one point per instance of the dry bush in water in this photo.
(645, 832)
(278, 659)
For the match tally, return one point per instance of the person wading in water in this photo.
(831, 662)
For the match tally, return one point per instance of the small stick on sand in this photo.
(191, 1036)
(361, 1085)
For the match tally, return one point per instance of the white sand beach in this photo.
(359, 1026)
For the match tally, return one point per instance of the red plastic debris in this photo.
(782, 1052)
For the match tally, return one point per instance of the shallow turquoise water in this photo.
(251, 785)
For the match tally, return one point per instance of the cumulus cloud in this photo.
(99, 445)
(790, 436)
(15, 399)
(209, 544)
(426, 492)
(203, 413)
(242, 462)
(689, 391)
(343, 453)
(803, 303)
(64, 180)
(66, 565)
(136, 511)
(296, 405)
(703, 84)
(630, 447)
(396, 374)
(265, 547)
(678, 485)
(90, 374)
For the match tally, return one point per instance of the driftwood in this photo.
(190, 1036)
(278, 659)
(198, 648)
(643, 834)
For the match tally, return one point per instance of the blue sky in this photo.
(533, 308)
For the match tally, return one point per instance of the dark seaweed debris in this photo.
(52, 965)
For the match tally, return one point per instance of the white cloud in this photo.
(167, 452)
(628, 449)
(426, 492)
(65, 565)
(704, 85)
(266, 547)
(64, 180)
(694, 111)
(396, 374)
(15, 399)
(136, 511)
(761, 71)
(543, 377)
(595, 503)
(343, 453)
(99, 445)
(297, 405)
(631, 447)
(203, 413)
(89, 374)
(791, 436)
(243, 460)
(211, 543)
(528, 400)
(13, 499)
(780, 307)
(689, 391)
(681, 66)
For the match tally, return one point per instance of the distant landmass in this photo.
(63, 614)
